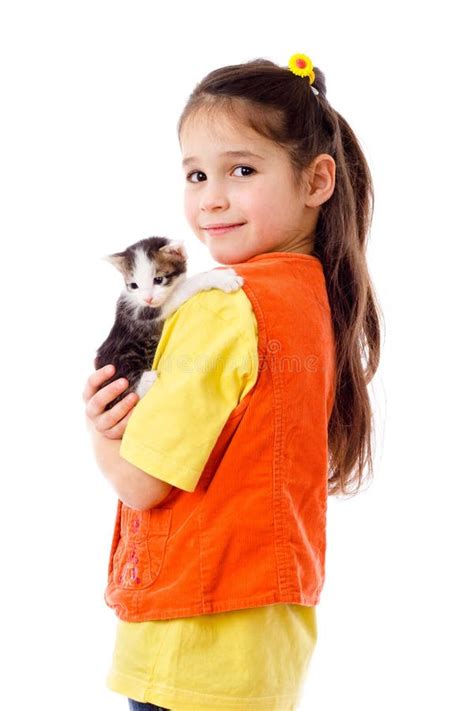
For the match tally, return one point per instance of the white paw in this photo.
(167, 309)
(145, 382)
(225, 279)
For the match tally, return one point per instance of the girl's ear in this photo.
(117, 259)
(175, 249)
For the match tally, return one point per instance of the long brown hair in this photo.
(281, 106)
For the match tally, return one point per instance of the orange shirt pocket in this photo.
(137, 557)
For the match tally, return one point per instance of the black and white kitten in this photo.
(154, 272)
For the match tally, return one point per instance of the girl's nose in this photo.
(213, 197)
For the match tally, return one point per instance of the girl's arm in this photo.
(134, 487)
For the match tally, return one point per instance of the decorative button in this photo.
(135, 525)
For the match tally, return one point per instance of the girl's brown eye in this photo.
(194, 171)
(245, 167)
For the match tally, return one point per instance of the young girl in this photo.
(260, 409)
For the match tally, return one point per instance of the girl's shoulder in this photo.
(234, 307)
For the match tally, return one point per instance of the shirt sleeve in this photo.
(206, 361)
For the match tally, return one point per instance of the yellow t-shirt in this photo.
(254, 658)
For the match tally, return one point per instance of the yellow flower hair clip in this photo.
(302, 66)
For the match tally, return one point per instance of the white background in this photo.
(91, 94)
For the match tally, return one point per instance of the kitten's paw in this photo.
(225, 279)
(145, 382)
(167, 309)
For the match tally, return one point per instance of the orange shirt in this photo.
(251, 529)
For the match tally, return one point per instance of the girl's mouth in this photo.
(221, 230)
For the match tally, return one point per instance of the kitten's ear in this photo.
(117, 259)
(175, 249)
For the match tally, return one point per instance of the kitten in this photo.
(154, 272)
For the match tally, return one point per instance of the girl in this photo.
(260, 408)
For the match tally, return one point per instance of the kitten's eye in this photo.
(132, 285)
(158, 280)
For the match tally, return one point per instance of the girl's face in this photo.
(254, 191)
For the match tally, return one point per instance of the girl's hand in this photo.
(111, 423)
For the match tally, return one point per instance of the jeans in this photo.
(140, 706)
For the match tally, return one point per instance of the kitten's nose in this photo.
(149, 299)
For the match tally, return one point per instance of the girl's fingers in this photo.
(96, 379)
(96, 405)
(106, 421)
(117, 431)
(110, 423)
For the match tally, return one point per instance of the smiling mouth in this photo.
(224, 228)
